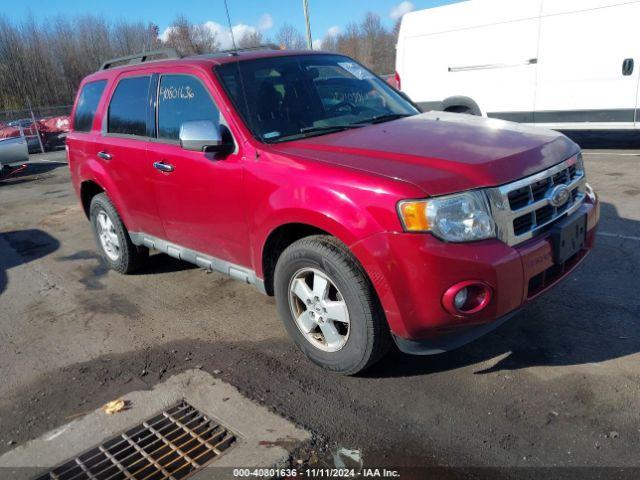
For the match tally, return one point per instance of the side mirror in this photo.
(202, 136)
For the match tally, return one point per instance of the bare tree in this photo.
(45, 62)
(191, 39)
(350, 42)
(249, 40)
(377, 44)
(330, 43)
(368, 42)
(290, 38)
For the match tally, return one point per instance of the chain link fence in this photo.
(7, 116)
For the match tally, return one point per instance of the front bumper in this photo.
(411, 272)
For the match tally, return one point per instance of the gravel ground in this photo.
(558, 385)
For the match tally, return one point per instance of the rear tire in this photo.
(343, 330)
(112, 238)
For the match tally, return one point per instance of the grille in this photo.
(522, 208)
(172, 445)
(551, 275)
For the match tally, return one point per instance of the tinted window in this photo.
(182, 98)
(128, 107)
(87, 104)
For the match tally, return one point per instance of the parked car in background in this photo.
(562, 64)
(54, 131)
(30, 132)
(13, 150)
(306, 175)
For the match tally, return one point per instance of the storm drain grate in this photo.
(172, 445)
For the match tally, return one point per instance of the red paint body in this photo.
(347, 184)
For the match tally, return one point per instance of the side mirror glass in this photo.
(202, 136)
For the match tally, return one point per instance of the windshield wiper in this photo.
(386, 117)
(323, 128)
(319, 130)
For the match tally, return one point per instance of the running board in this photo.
(202, 260)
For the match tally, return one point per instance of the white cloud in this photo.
(399, 10)
(334, 31)
(224, 37)
(265, 22)
(316, 44)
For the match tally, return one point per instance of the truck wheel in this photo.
(328, 305)
(459, 109)
(112, 237)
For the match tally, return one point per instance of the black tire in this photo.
(459, 109)
(131, 257)
(369, 338)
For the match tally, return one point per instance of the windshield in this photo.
(299, 96)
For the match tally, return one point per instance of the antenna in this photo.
(233, 39)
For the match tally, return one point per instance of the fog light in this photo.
(461, 298)
(466, 298)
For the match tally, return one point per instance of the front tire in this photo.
(329, 306)
(112, 238)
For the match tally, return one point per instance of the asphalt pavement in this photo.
(558, 385)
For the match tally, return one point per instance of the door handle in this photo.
(163, 167)
(627, 67)
(105, 156)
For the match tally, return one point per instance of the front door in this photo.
(200, 198)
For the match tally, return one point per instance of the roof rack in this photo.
(234, 51)
(151, 56)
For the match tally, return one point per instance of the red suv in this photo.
(306, 175)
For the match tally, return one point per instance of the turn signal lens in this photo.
(414, 216)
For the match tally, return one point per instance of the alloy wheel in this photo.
(108, 236)
(319, 309)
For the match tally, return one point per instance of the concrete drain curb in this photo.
(264, 439)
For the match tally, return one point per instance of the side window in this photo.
(128, 107)
(182, 98)
(87, 104)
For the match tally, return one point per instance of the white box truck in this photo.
(562, 64)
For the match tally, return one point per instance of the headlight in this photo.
(463, 217)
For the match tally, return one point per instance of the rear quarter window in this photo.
(128, 107)
(87, 105)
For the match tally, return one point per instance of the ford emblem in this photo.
(559, 195)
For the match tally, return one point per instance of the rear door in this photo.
(200, 200)
(125, 136)
(589, 64)
(84, 135)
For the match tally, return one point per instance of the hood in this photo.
(440, 152)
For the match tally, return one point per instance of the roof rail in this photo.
(234, 51)
(150, 56)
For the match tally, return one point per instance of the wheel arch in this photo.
(277, 241)
(88, 190)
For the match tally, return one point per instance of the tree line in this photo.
(44, 62)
